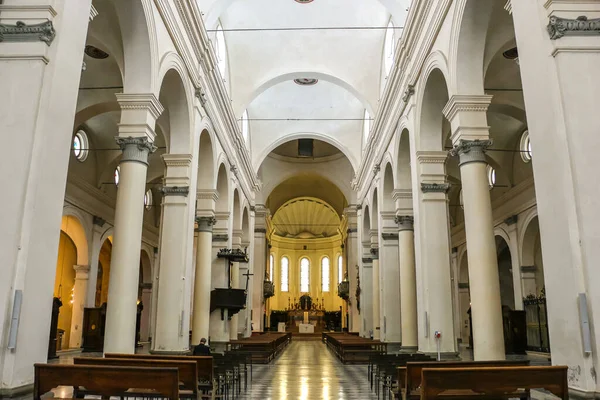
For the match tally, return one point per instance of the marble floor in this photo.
(307, 370)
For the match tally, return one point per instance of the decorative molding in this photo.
(220, 237)
(471, 151)
(405, 222)
(435, 187)
(511, 220)
(352, 230)
(463, 285)
(465, 103)
(528, 268)
(432, 157)
(367, 260)
(205, 224)
(135, 149)
(389, 236)
(582, 26)
(93, 13)
(175, 190)
(202, 194)
(402, 194)
(201, 95)
(146, 286)
(375, 253)
(376, 168)
(177, 160)
(260, 230)
(143, 101)
(21, 32)
(408, 93)
(99, 221)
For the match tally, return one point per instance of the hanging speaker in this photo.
(305, 147)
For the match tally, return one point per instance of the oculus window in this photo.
(491, 174)
(325, 283)
(117, 175)
(80, 145)
(304, 275)
(526, 147)
(285, 277)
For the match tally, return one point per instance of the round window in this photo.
(117, 175)
(148, 199)
(80, 146)
(491, 173)
(525, 147)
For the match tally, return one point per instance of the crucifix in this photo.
(247, 275)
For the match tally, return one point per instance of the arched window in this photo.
(148, 199)
(340, 269)
(325, 274)
(304, 275)
(80, 145)
(221, 51)
(117, 175)
(526, 147)
(491, 173)
(245, 125)
(389, 48)
(366, 125)
(285, 277)
(271, 267)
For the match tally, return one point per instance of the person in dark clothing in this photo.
(202, 349)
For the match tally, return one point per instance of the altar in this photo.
(306, 328)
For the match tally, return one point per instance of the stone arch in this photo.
(387, 201)
(469, 36)
(94, 110)
(222, 187)
(175, 98)
(73, 227)
(140, 47)
(403, 163)
(270, 82)
(206, 161)
(236, 210)
(375, 210)
(433, 97)
(246, 236)
(366, 224)
(307, 135)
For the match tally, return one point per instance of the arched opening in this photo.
(175, 121)
(388, 202)
(403, 166)
(433, 124)
(223, 190)
(144, 297)
(505, 273)
(206, 162)
(64, 284)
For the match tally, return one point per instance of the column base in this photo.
(409, 349)
(171, 352)
(17, 392)
(448, 356)
(393, 347)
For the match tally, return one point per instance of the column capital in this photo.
(205, 223)
(375, 253)
(135, 149)
(81, 271)
(471, 151)
(22, 32)
(435, 187)
(405, 222)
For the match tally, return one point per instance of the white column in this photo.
(259, 261)
(201, 313)
(376, 295)
(486, 309)
(352, 268)
(39, 81)
(119, 336)
(432, 253)
(390, 290)
(408, 285)
(219, 323)
(172, 314)
(79, 294)
(235, 284)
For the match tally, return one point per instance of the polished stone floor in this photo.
(307, 370)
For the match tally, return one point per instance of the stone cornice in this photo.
(177, 160)
(22, 32)
(582, 26)
(402, 194)
(140, 101)
(465, 103)
(432, 157)
(207, 194)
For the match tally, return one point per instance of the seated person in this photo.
(202, 349)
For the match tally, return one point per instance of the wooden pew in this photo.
(205, 364)
(412, 372)
(108, 381)
(492, 382)
(188, 370)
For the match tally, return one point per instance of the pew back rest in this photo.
(205, 363)
(105, 380)
(494, 381)
(188, 369)
(414, 369)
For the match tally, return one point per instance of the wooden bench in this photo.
(108, 381)
(188, 370)
(492, 382)
(350, 348)
(409, 377)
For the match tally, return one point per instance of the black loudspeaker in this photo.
(305, 147)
